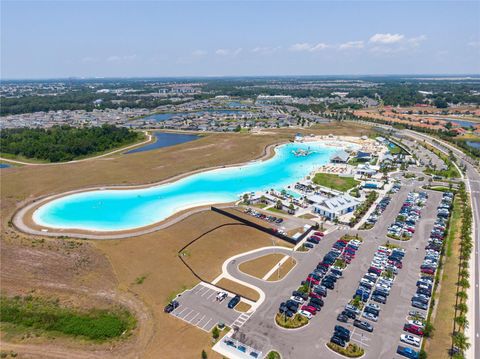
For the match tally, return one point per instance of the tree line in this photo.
(64, 143)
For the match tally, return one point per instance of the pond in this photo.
(114, 210)
(164, 139)
(474, 144)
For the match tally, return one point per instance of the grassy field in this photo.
(258, 267)
(438, 345)
(44, 315)
(79, 271)
(335, 181)
(284, 269)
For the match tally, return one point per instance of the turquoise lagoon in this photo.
(115, 210)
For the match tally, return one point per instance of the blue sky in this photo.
(43, 39)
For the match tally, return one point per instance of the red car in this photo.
(428, 271)
(309, 309)
(399, 265)
(312, 280)
(321, 234)
(315, 295)
(412, 329)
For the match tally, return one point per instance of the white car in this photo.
(221, 296)
(410, 339)
(306, 314)
(297, 299)
(370, 316)
(418, 323)
(374, 306)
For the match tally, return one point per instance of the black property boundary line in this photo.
(179, 254)
(262, 228)
(240, 222)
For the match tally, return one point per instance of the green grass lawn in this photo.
(335, 181)
(25, 313)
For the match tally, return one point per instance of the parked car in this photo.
(407, 352)
(363, 325)
(171, 306)
(413, 329)
(306, 314)
(221, 296)
(233, 302)
(336, 340)
(342, 318)
(410, 339)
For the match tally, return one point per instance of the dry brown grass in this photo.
(238, 288)
(284, 269)
(260, 266)
(115, 264)
(243, 307)
(207, 255)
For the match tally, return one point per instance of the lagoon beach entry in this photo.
(121, 210)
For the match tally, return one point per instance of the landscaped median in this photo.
(295, 322)
(350, 351)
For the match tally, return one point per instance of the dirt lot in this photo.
(105, 273)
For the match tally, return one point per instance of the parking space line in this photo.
(211, 295)
(185, 317)
(178, 314)
(203, 327)
(202, 289)
(192, 319)
(207, 291)
(199, 321)
(197, 289)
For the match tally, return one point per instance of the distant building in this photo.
(367, 170)
(363, 156)
(339, 157)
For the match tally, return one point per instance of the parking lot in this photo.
(199, 307)
(262, 333)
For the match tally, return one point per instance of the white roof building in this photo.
(336, 206)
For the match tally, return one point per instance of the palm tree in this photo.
(461, 341)
(462, 295)
(462, 321)
(464, 283)
(464, 273)
(462, 307)
(279, 204)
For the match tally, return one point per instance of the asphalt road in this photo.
(261, 332)
(472, 181)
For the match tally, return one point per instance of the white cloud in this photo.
(125, 58)
(415, 41)
(226, 52)
(199, 53)
(386, 38)
(305, 46)
(265, 50)
(352, 45)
